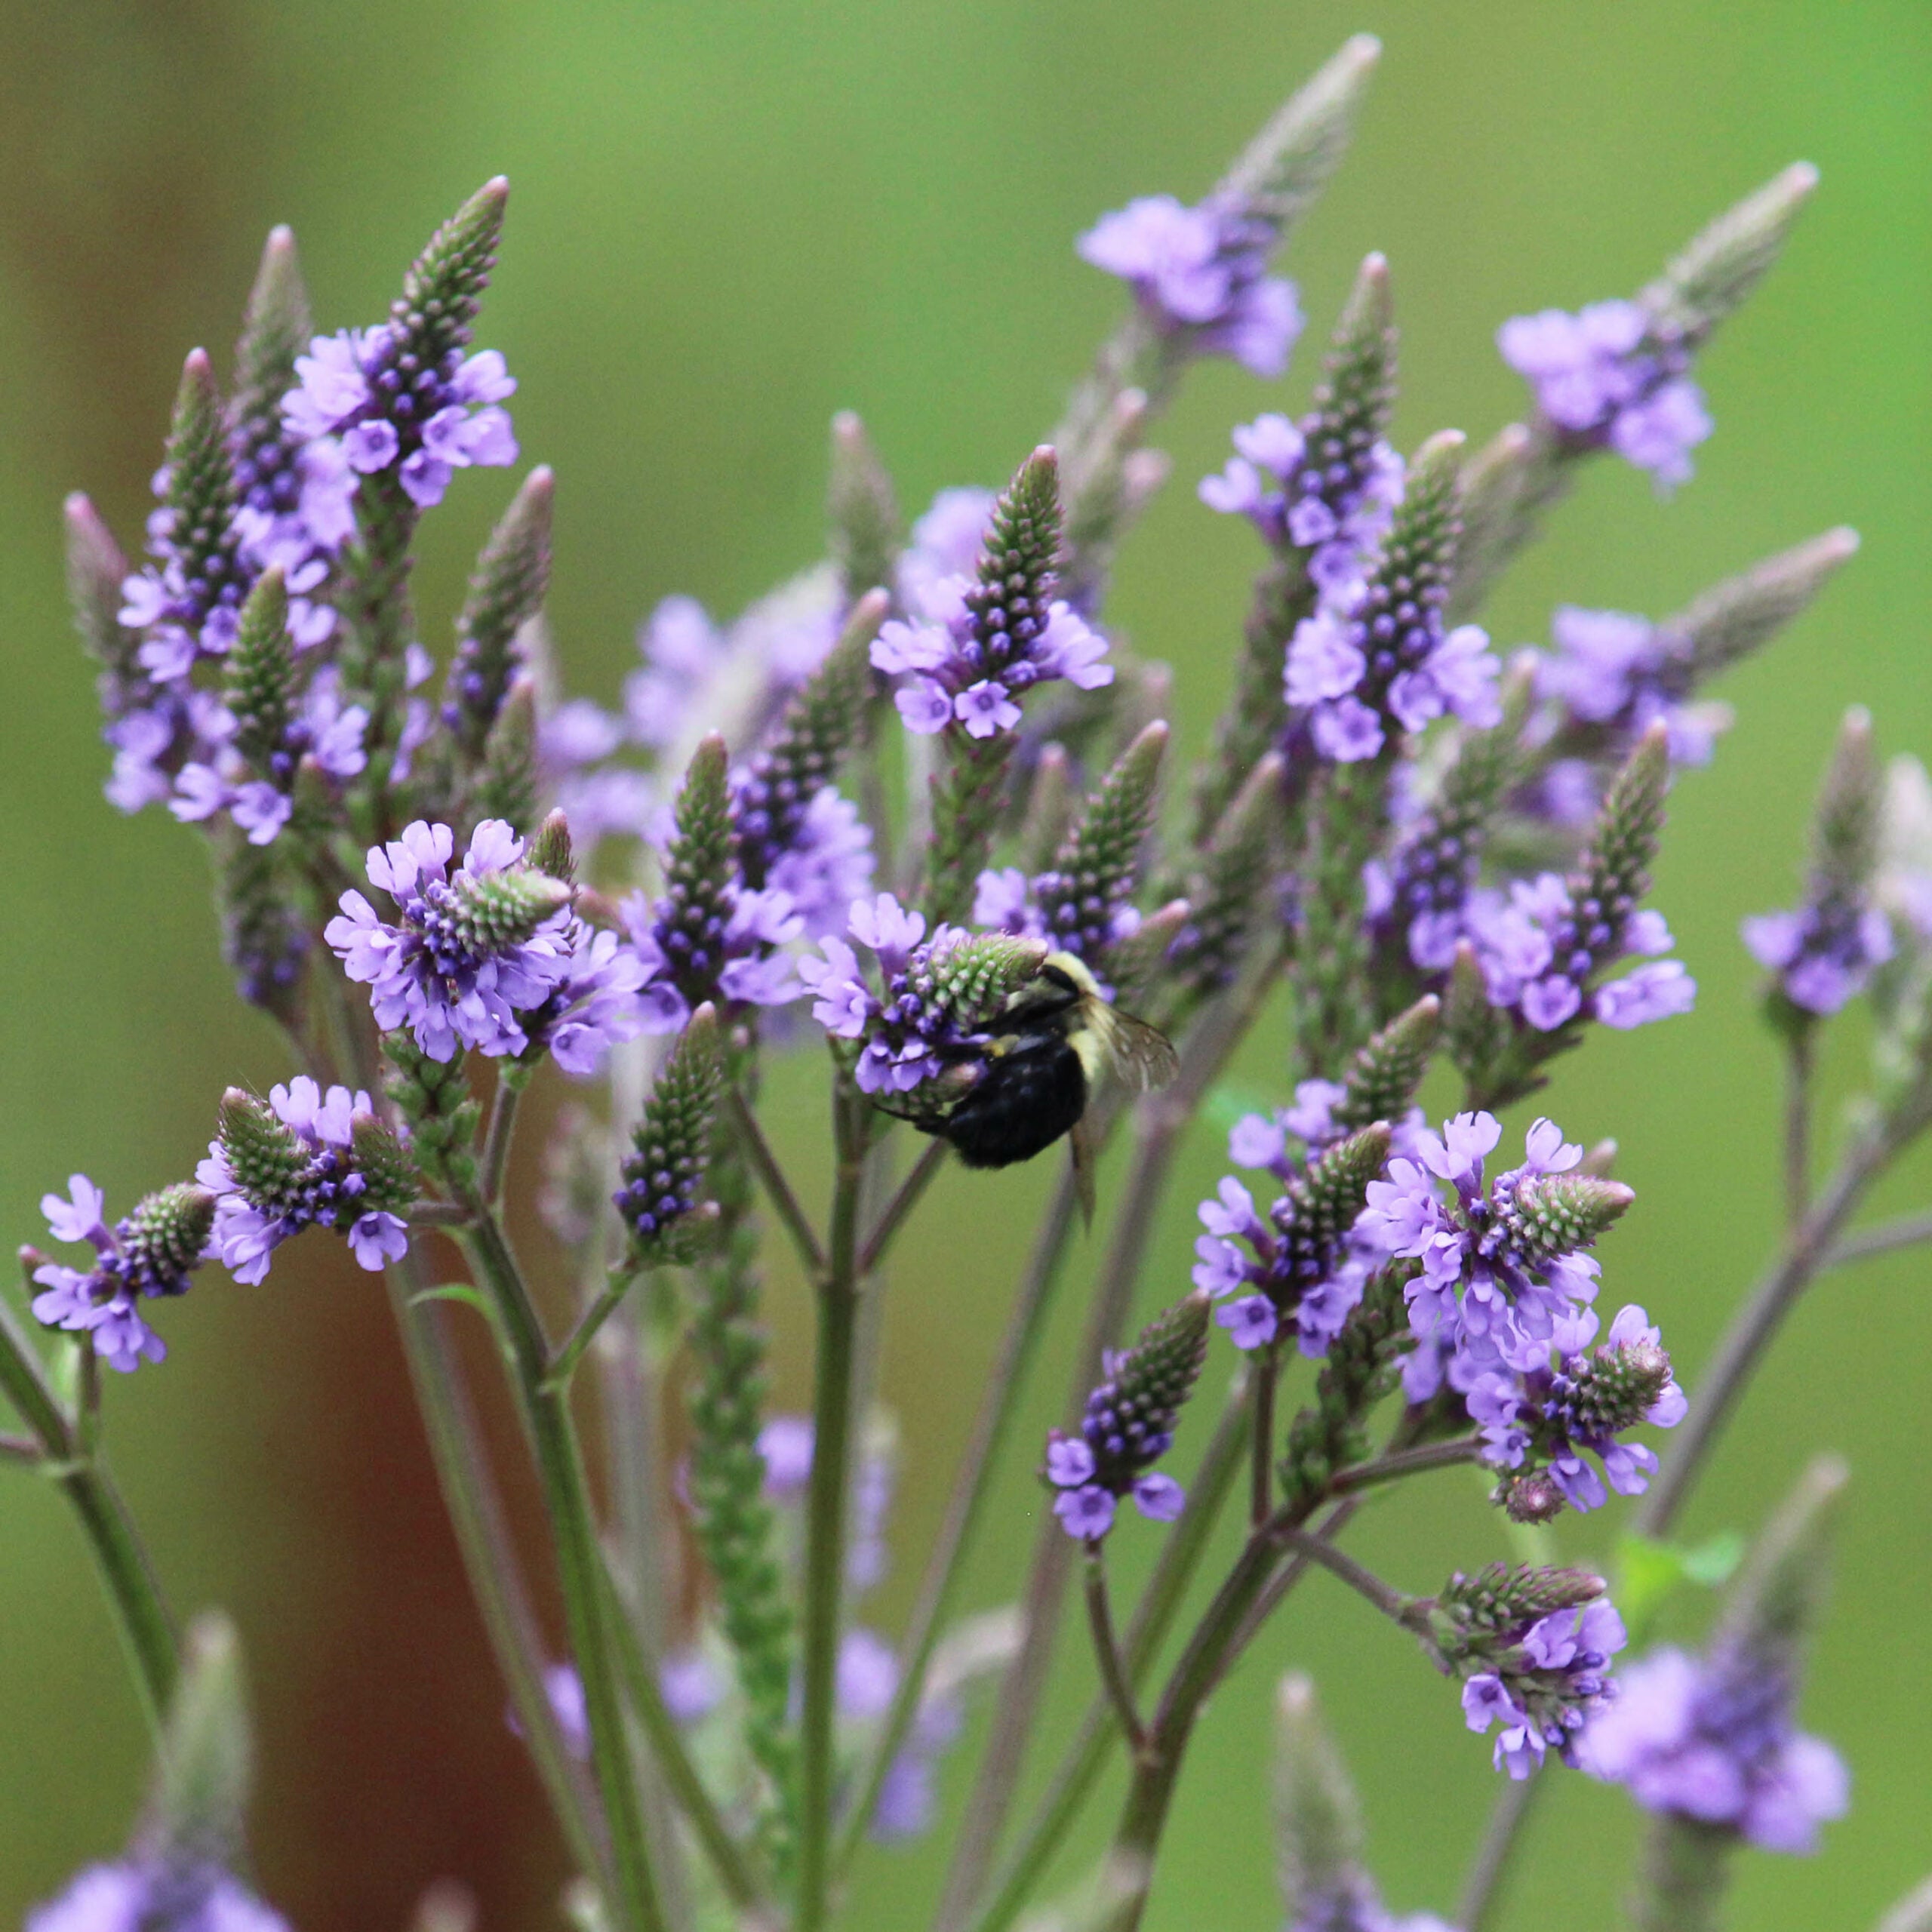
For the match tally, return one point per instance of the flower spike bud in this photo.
(1357, 392)
(1476, 1033)
(773, 793)
(1318, 1834)
(550, 849)
(265, 937)
(1913, 1913)
(1599, 1160)
(1128, 1426)
(1721, 267)
(1051, 804)
(698, 873)
(165, 1235)
(1135, 962)
(444, 288)
(506, 784)
(276, 327)
(868, 532)
(95, 569)
(201, 484)
(393, 1180)
(1383, 1078)
(664, 1173)
(506, 590)
(1288, 164)
(487, 913)
(1623, 845)
(972, 980)
(1735, 617)
(433, 1096)
(1494, 516)
(1095, 871)
(205, 1767)
(267, 1158)
(1110, 487)
(261, 675)
(1774, 1601)
(1844, 830)
(1502, 1595)
(1226, 896)
(1554, 1214)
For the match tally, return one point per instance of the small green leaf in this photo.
(456, 1291)
(1229, 1101)
(1712, 1563)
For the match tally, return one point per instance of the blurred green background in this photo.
(728, 222)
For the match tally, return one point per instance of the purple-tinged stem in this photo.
(1106, 1649)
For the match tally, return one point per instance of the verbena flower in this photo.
(1539, 1421)
(1128, 1426)
(979, 642)
(1044, 906)
(1822, 954)
(1296, 1270)
(471, 952)
(1711, 1740)
(154, 1250)
(1617, 673)
(1532, 1648)
(365, 389)
(305, 1157)
(934, 997)
(1202, 272)
(1308, 489)
(1502, 1265)
(152, 1894)
(731, 948)
(1540, 945)
(1612, 376)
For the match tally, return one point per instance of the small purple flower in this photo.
(304, 1156)
(469, 951)
(1128, 1425)
(1823, 954)
(1540, 1420)
(1615, 674)
(1712, 1739)
(1502, 1266)
(149, 1893)
(785, 1444)
(424, 424)
(152, 1251)
(1610, 376)
(1546, 1686)
(1200, 273)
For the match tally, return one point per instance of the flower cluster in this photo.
(152, 1251)
(304, 1156)
(469, 953)
(1540, 943)
(1502, 1265)
(1532, 1649)
(1711, 1740)
(1615, 674)
(1202, 272)
(1822, 954)
(1128, 1426)
(165, 1894)
(1611, 376)
(979, 643)
(1049, 906)
(1297, 1270)
(1312, 488)
(388, 409)
(936, 997)
(1538, 1422)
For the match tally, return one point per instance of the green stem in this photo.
(1004, 1386)
(1079, 1771)
(1106, 1649)
(1484, 1887)
(1398, 1608)
(1797, 1126)
(771, 1178)
(510, 1081)
(1401, 1463)
(730, 1860)
(134, 1590)
(893, 1216)
(563, 1366)
(1268, 1372)
(580, 1566)
(1908, 1231)
(826, 1508)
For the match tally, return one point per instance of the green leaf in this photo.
(457, 1291)
(1649, 1572)
(1712, 1563)
(1229, 1101)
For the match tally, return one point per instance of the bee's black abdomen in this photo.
(1022, 1103)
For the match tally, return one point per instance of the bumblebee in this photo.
(1053, 1044)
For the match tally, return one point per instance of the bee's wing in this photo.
(1143, 1057)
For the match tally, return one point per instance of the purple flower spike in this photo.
(1712, 1740)
(1610, 376)
(148, 1890)
(471, 952)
